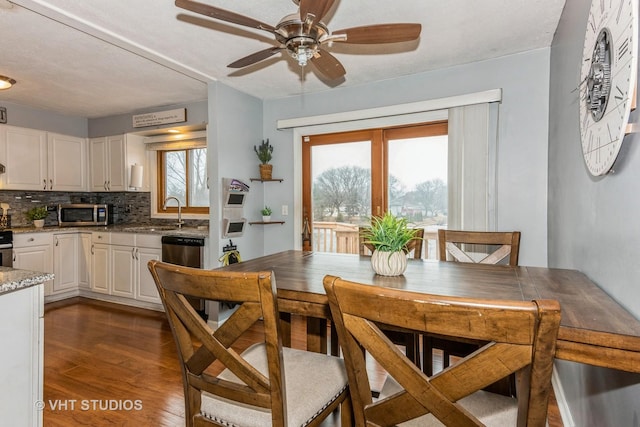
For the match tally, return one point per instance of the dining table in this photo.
(595, 329)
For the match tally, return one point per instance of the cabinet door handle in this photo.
(31, 239)
(108, 185)
(105, 185)
(45, 184)
(133, 253)
(57, 242)
(14, 256)
(92, 249)
(137, 254)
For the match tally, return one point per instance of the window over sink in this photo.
(182, 174)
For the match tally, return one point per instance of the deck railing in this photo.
(343, 238)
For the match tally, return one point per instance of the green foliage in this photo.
(264, 151)
(37, 212)
(388, 233)
(266, 211)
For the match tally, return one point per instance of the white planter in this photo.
(38, 223)
(389, 263)
(266, 218)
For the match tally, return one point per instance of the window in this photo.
(183, 174)
(349, 176)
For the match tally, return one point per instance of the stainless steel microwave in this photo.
(83, 214)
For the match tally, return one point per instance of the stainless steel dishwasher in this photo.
(189, 252)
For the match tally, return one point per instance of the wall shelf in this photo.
(267, 180)
(266, 223)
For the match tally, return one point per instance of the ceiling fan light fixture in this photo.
(302, 54)
(6, 82)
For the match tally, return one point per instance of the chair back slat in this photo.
(467, 246)
(520, 338)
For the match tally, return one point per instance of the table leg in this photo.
(317, 335)
(285, 328)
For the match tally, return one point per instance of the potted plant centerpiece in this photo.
(37, 214)
(389, 236)
(266, 214)
(264, 152)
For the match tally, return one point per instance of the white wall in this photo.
(522, 147)
(235, 126)
(27, 117)
(197, 114)
(593, 227)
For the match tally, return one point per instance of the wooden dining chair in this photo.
(483, 247)
(520, 336)
(411, 342)
(265, 385)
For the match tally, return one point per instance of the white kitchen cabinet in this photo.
(101, 262)
(33, 251)
(149, 247)
(66, 162)
(110, 163)
(123, 266)
(84, 260)
(24, 153)
(66, 251)
(42, 161)
(21, 358)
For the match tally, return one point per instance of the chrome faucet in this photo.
(164, 208)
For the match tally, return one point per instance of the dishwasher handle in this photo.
(183, 241)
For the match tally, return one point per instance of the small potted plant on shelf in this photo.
(37, 214)
(266, 214)
(264, 152)
(389, 236)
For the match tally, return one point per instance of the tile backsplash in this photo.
(128, 207)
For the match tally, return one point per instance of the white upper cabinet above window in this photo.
(43, 161)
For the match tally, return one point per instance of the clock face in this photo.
(607, 80)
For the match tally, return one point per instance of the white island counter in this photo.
(21, 349)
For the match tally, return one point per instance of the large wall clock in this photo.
(607, 80)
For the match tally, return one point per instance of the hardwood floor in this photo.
(112, 365)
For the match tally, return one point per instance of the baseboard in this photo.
(563, 407)
(121, 300)
(61, 296)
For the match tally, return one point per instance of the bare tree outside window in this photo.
(198, 192)
(176, 176)
(185, 177)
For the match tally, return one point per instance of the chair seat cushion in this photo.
(493, 410)
(312, 382)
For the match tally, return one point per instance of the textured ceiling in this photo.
(95, 58)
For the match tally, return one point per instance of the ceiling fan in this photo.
(302, 35)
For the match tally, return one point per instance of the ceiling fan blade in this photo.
(328, 65)
(318, 8)
(255, 57)
(223, 15)
(381, 33)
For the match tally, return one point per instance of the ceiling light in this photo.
(6, 82)
(173, 131)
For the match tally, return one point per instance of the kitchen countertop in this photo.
(12, 279)
(165, 230)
